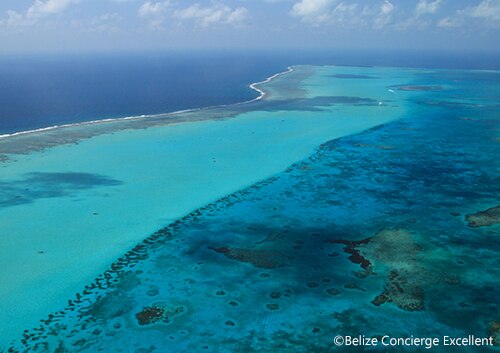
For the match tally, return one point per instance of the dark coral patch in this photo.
(149, 315)
(272, 307)
(333, 291)
(494, 332)
(354, 254)
(153, 292)
(41, 185)
(157, 313)
(352, 285)
(268, 259)
(275, 295)
(484, 218)
(402, 291)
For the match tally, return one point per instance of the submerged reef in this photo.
(392, 247)
(391, 252)
(355, 256)
(351, 76)
(485, 218)
(494, 331)
(157, 313)
(269, 259)
(402, 290)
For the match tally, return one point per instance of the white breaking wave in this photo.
(267, 80)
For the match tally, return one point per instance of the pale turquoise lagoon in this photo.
(75, 200)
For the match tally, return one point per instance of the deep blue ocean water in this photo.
(38, 91)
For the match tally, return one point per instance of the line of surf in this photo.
(263, 93)
(253, 86)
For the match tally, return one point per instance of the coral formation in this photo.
(157, 313)
(275, 295)
(333, 291)
(351, 248)
(396, 250)
(494, 331)
(352, 285)
(402, 291)
(268, 259)
(272, 307)
(484, 218)
(392, 251)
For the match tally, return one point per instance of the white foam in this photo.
(267, 80)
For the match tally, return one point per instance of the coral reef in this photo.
(272, 307)
(392, 247)
(351, 248)
(484, 218)
(402, 291)
(352, 285)
(494, 331)
(391, 251)
(275, 281)
(333, 291)
(275, 295)
(157, 313)
(396, 250)
(268, 259)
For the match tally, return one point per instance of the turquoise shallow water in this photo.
(365, 234)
